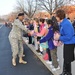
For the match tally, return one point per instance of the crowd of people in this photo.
(46, 35)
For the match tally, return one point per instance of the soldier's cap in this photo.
(21, 14)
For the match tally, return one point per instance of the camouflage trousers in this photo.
(17, 47)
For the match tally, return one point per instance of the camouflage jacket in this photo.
(17, 29)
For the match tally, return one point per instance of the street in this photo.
(34, 66)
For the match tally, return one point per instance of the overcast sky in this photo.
(6, 6)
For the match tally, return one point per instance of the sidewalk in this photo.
(41, 58)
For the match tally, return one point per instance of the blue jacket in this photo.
(67, 32)
(49, 38)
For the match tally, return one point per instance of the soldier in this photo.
(15, 38)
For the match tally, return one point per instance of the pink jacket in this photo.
(43, 32)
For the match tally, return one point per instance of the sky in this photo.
(7, 6)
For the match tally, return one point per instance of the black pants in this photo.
(68, 53)
(30, 39)
(67, 68)
(49, 55)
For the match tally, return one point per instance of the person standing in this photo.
(31, 27)
(15, 38)
(68, 38)
(52, 48)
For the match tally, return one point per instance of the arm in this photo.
(20, 25)
(47, 37)
(42, 33)
(68, 33)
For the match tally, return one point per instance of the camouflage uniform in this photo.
(15, 38)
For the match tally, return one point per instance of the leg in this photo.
(49, 54)
(21, 52)
(36, 45)
(41, 49)
(14, 47)
(54, 57)
(66, 69)
(30, 39)
(68, 58)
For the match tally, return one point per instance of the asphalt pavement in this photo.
(34, 66)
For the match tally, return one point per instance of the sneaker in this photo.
(26, 41)
(49, 62)
(57, 59)
(51, 66)
(63, 73)
(38, 51)
(55, 69)
(39, 54)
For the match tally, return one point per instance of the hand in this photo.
(31, 32)
(38, 42)
(35, 36)
(57, 36)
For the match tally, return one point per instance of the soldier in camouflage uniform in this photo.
(15, 38)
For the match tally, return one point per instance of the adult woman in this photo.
(15, 38)
(68, 38)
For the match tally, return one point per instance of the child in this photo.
(31, 27)
(53, 49)
(36, 30)
(42, 33)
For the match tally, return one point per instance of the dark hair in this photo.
(21, 14)
(37, 20)
(42, 20)
(68, 18)
(53, 24)
(61, 14)
(49, 21)
(16, 17)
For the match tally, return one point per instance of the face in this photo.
(49, 25)
(35, 23)
(40, 23)
(31, 22)
(21, 18)
(53, 14)
(58, 19)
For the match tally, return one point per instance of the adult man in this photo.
(15, 38)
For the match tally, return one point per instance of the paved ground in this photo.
(34, 66)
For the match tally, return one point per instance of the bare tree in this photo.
(29, 7)
(51, 5)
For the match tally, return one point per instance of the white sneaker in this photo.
(57, 59)
(39, 54)
(26, 41)
(55, 69)
(49, 62)
(51, 66)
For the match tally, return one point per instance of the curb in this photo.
(41, 58)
